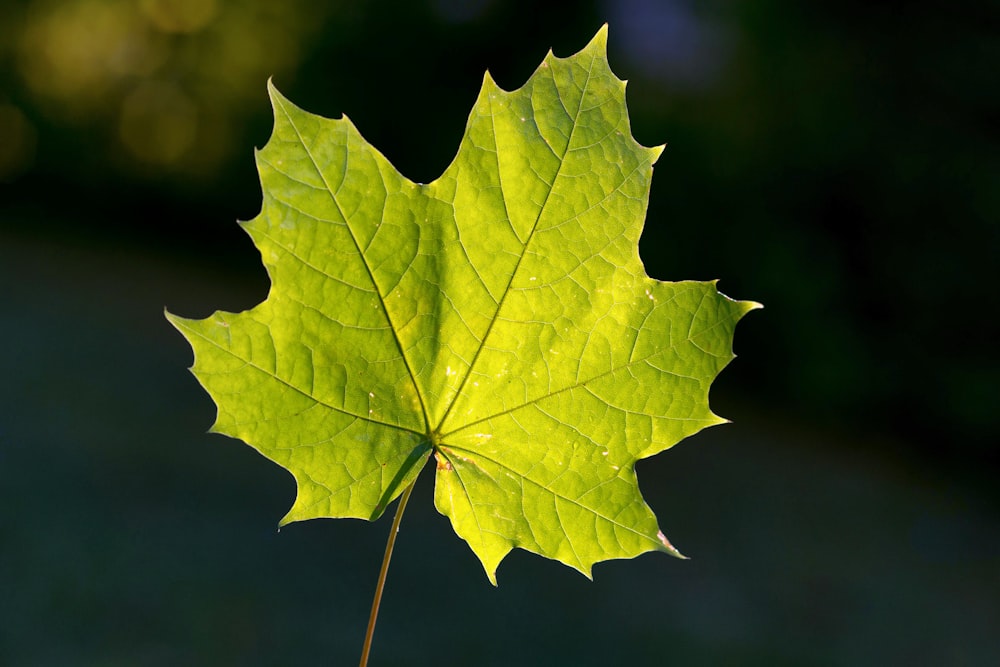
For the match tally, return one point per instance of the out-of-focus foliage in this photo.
(148, 79)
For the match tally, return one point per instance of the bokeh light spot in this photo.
(179, 16)
(158, 123)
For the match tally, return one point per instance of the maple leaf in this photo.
(498, 318)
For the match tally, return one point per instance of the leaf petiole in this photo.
(382, 573)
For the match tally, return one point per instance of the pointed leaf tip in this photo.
(668, 547)
(600, 39)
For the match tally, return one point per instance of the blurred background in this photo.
(836, 161)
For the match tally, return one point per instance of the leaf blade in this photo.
(499, 317)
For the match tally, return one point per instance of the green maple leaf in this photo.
(498, 318)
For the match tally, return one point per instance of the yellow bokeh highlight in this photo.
(179, 16)
(169, 80)
(158, 123)
(77, 50)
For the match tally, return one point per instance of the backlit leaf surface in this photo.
(498, 320)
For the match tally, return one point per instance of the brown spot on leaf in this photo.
(669, 546)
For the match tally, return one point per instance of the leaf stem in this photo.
(382, 573)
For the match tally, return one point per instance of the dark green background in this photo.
(835, 161)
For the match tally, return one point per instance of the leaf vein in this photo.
(364, 260)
